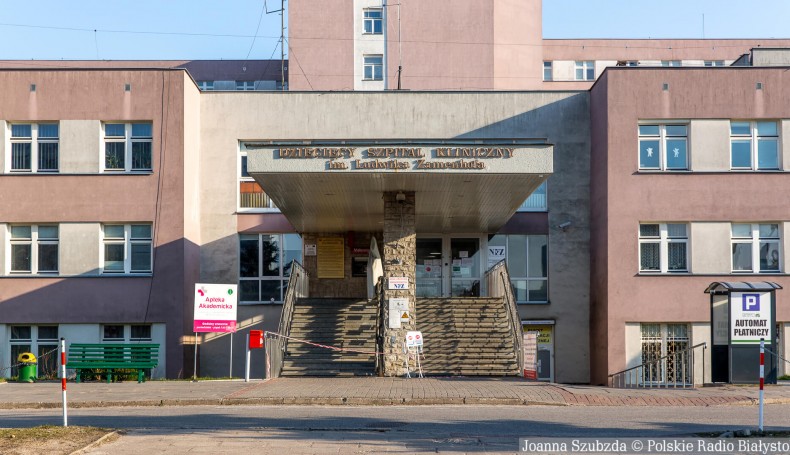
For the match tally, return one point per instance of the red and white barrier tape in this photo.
(333, 348)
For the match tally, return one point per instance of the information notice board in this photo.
(331, 257)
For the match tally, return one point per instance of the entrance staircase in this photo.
(343, 323)
(467, 337)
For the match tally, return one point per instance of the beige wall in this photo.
(79, 248)
(518, 32)
(700, 333)
(633, 344)
(710, 248)
(80, 146)
(709, 145)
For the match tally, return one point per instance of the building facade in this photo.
(143, 195)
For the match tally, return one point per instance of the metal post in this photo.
(266, 345)
(230, 374)
(194, 363)
(247, 366)
(762, 382)
(63, 380)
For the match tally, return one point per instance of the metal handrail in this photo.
(635, 376)
(298, 287)
(499, 285)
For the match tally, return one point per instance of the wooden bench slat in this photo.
(112, 356)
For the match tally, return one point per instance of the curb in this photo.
(96, 443)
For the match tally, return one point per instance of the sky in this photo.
(201, 29)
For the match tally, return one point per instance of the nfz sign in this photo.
(398, 283)
(750, 313)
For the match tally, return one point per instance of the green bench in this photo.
(112, 357)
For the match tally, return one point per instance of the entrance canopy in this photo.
(460, 185)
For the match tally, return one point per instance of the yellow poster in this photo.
(331, 257)
(543, 331)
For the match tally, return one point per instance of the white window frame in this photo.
(127, 241)
(632, 63)
(755, 138)
(35, 344)
(127, 333)
(127, 140)
(245, 86)
(34, 142)
(672, 63)
(587, 67)
(242, 179)
(205, 85)
(548, 71)
(34, 241)
(662, 145)
(663, 240)
(372, 21)
(712, 63)
(755, 241)
(372, 66)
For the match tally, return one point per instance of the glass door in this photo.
(465, 267)
(429, 267)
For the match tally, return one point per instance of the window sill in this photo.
(260, 303)
(114, 172)
(533, 303)
(373, 80)
(246, 211)
(725, 274)
(372, 34)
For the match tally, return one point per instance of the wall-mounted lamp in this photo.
(564, 226)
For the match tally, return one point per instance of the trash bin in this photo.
(27, 371)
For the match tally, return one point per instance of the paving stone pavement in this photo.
(372, 391)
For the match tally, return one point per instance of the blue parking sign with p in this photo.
(751, 302)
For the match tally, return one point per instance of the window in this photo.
(714, 62)
(34, 147)
(245, 85)
(665, 340)
(206, 85)
(663, 147)
(127, 248)
(42, 341)
(374, 68)
(632, 63)
(265, 265)
(754, 142)
(536, 202)
(34, 249)
(663, 248)
(527, 261)
(124, 333)
(585, 70)
(756, 244)
(373, 21)
(127, 147)
(547, 71)
(251, 195)
(671, 63)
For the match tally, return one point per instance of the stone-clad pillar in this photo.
(399, 258)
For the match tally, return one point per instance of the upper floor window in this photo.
(754, 142)
(265, 265)
(127, 248)
(373, 68)
(663, 247)
(547, 71)
(373, 21)
(585, 70)
(756, 244)
(206, 85)
(251, 195)
(245, 85)
(127, 147)
(34, 249)
(714, 62)
(632, 63)
(34, 147)
(527, 261)
(671, 63)
(536, 202)
(663, 146)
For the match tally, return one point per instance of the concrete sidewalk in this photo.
(372, 391)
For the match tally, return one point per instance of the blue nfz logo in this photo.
(751, 302)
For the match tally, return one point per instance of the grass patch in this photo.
(784, 377)
(48, 439)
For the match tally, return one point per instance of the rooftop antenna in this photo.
(400, 49)
(703, 25)
(282, 39)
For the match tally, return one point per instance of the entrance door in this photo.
(429, 268)
(449, 266)
(465, 267)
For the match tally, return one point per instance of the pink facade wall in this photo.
(622, 197)
(320, 45)
(156, 96)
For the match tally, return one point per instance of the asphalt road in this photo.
(295, 430)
